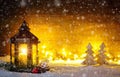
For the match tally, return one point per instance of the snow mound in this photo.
(70, 71)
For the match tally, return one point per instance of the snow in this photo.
(70, 71)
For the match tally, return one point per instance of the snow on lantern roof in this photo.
(24, 33)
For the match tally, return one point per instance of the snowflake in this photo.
(48, 5)
(82, 29)
(51, 10)
(83, 17)
(113, 37)
(65, 10)
(67, 40)
(38, 11)
(113, 12)
(92, 32)
(67, 1)
(38, 1)
(78, 18)
(4, 43)
(81, 7)
(103, 3)
(7, 25)
(57, 3)
(23, 3)
(29, 0)
(93, 9)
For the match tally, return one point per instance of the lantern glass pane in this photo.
(13, 51)
(23, 54)
(34, 54)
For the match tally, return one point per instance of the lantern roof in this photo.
(24, 33)
(24, 26)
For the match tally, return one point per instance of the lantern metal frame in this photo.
(24, 36)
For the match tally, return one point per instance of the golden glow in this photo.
(110, 61)
(109, 55)
(23, 49)
(64, 38)
(23, 53)
(118, 61)
(67, 62)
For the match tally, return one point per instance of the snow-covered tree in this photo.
(101, 56)
(89, 59)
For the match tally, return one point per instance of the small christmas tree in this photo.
(101, 56)
(89, 59)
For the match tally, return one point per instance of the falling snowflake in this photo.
(92, 32)
(78, 18)
(113, 37)
(65, 10)
(4, 43)
(38, 11)
(83, 17)
(57, 3)
(7, 25)
(23, 3)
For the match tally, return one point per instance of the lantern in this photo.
(24, 47)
